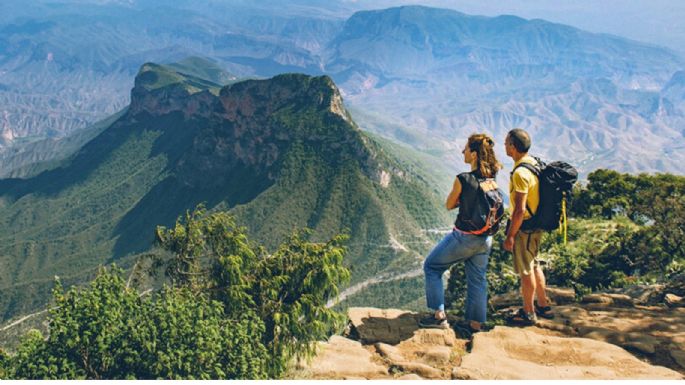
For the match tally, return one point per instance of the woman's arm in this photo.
(453, 197)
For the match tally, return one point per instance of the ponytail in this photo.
(484, 147)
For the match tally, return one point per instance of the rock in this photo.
(646, 345)
(513, 353)
(382, 325)
(677, 341)
(501, 301)
(556, 296)
(437, 355)
(673, 300)
(390, 352)
(643, 294)
(676, 285)
(609, 299)
(434, 337)
(343, 358)
(556, 326)
(561, 295)
(679, 357)
(410, 377)
(422, 370)
(459, 374)
(598, 333)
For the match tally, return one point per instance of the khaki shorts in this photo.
(526, 246)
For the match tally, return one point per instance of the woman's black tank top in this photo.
(468, 199)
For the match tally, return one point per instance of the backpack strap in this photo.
(535, 170)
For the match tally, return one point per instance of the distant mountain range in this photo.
(424, 76)
(437, 75)
(280, 154)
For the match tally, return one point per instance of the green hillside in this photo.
(155, 76)
(281, 154)
(204, 69)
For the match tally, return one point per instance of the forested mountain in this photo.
(281, 154)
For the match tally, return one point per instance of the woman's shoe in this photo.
(431, 322)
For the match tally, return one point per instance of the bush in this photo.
(233, 311)
(108, 332)
(288, 289)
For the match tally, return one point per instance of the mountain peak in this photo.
(261, 118)
(152, 76)
(318, 91)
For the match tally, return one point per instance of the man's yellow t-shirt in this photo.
(524, 181)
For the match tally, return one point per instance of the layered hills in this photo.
(430, 76)
(281, 154)
(424, 76)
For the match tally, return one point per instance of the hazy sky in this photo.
(660, 22)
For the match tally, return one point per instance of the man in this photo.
(524, 195)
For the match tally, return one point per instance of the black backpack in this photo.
(556, 181)
(489, 209)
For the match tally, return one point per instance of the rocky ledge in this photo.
(603, 336)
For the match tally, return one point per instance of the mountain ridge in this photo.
(280, 154)
(424, 80)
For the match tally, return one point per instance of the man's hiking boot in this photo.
(521, 318)
(543, 311)
(465, 330)
(431, 322)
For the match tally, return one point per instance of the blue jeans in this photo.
(456, 247)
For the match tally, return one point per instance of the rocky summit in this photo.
(603, 336)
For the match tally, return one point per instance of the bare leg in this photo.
(541, 287)
(528, 291)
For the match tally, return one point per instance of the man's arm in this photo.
(453, 197)
(516, 219)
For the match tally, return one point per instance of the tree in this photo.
(656, 202)
(107, 331)
(288, 289)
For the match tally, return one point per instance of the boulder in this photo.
(389, 352)
(513, 353)
(609, 299)
(389, 326)
(561, 295)
(342, 358)
(643, 294)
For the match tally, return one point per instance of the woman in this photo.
(462, 244)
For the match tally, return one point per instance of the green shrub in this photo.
(288, 289)
(234, 312)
